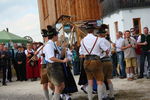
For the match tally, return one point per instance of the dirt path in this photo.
(124, 90)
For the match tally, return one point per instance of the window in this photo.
(116, 27)
(137, 24)
(45, 8)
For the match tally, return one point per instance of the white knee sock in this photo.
(128, 75)
(104, 94)
(89, 90)
(100, 92)
(56, 96)
(111, 90)
(131, 75)
(46, 93)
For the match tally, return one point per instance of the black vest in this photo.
(147, 39)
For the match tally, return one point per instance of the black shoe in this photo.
(35, 79)
(107, 98)
(83, 90)
(140, 77)
(122, 77)
(112, 98)
(94, 92)
(61, 99)
(32, 79)
(18, 80)
(148, 77)
(69, 98)
(9, 80)
(52, 93)
(4, 84)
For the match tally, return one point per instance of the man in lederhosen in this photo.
(106, 62)
(54, 69)
(90, 48)
(44, 78)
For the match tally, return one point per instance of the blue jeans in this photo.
(142, 61)
(120, 58)
(114, 62)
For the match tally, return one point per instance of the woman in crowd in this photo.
(44, 78)
(31, 68)
(70, 85)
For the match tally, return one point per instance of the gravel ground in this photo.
(124, 90)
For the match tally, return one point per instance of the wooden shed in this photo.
(80, 10)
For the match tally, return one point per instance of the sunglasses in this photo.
(132, 31)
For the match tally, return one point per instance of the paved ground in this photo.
(124, 90)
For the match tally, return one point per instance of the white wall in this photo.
(125, 19)
(117, 16)
(142, 13)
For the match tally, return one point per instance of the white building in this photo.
(121, 15)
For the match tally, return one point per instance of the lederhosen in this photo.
(107, 67)
(55, 71)
(92, 65)
(44, 77)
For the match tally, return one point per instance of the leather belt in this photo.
(105, 59)
(53, 64)
(44, 66)
(119, 51)
(92, 57)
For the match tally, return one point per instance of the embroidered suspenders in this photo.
(92, 47)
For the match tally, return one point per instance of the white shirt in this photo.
(89, 41)
(105, 45)
(119, 43)
(80, 51)
(139, 39)
(69, 54)
(28, 51)
(39, 55)
(40, 52)
(48, 50)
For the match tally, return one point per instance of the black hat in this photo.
(102, 29)
(90, 26)
(51, 30)
(44, 33)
